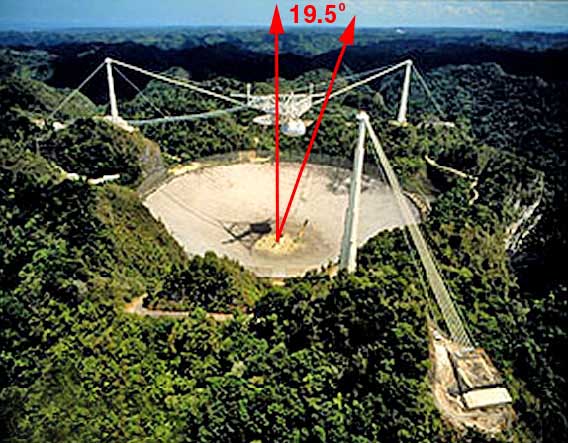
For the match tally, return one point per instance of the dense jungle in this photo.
(318, 359)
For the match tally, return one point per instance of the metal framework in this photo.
(293, 105)
(348, 258)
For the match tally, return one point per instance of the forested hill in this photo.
(319, 359)
(298, 41)
(242, 55)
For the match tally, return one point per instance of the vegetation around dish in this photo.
(319, 359)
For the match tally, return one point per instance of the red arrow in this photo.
(276, 29)
(346, 38)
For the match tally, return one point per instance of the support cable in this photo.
(146, 99)
(355, 75)
(429, 93)
(454, 322)
(411, 250)
(185, 118)
(74, 92)
(178, 82)
(348, 88)
(359, 74)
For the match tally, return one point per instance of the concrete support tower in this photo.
(249, 89)
(348, 257)
(405, 93)
(111, 93)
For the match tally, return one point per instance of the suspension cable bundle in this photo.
(449, 311)
(300, 102)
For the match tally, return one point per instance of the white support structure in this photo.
(452, 317)
(348, 258)
(111, 93)
(249, 89)
(402, 110)
(292, 105)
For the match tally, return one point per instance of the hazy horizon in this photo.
(87, 28)
(28, 15)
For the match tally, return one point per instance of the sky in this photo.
(31, 14)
